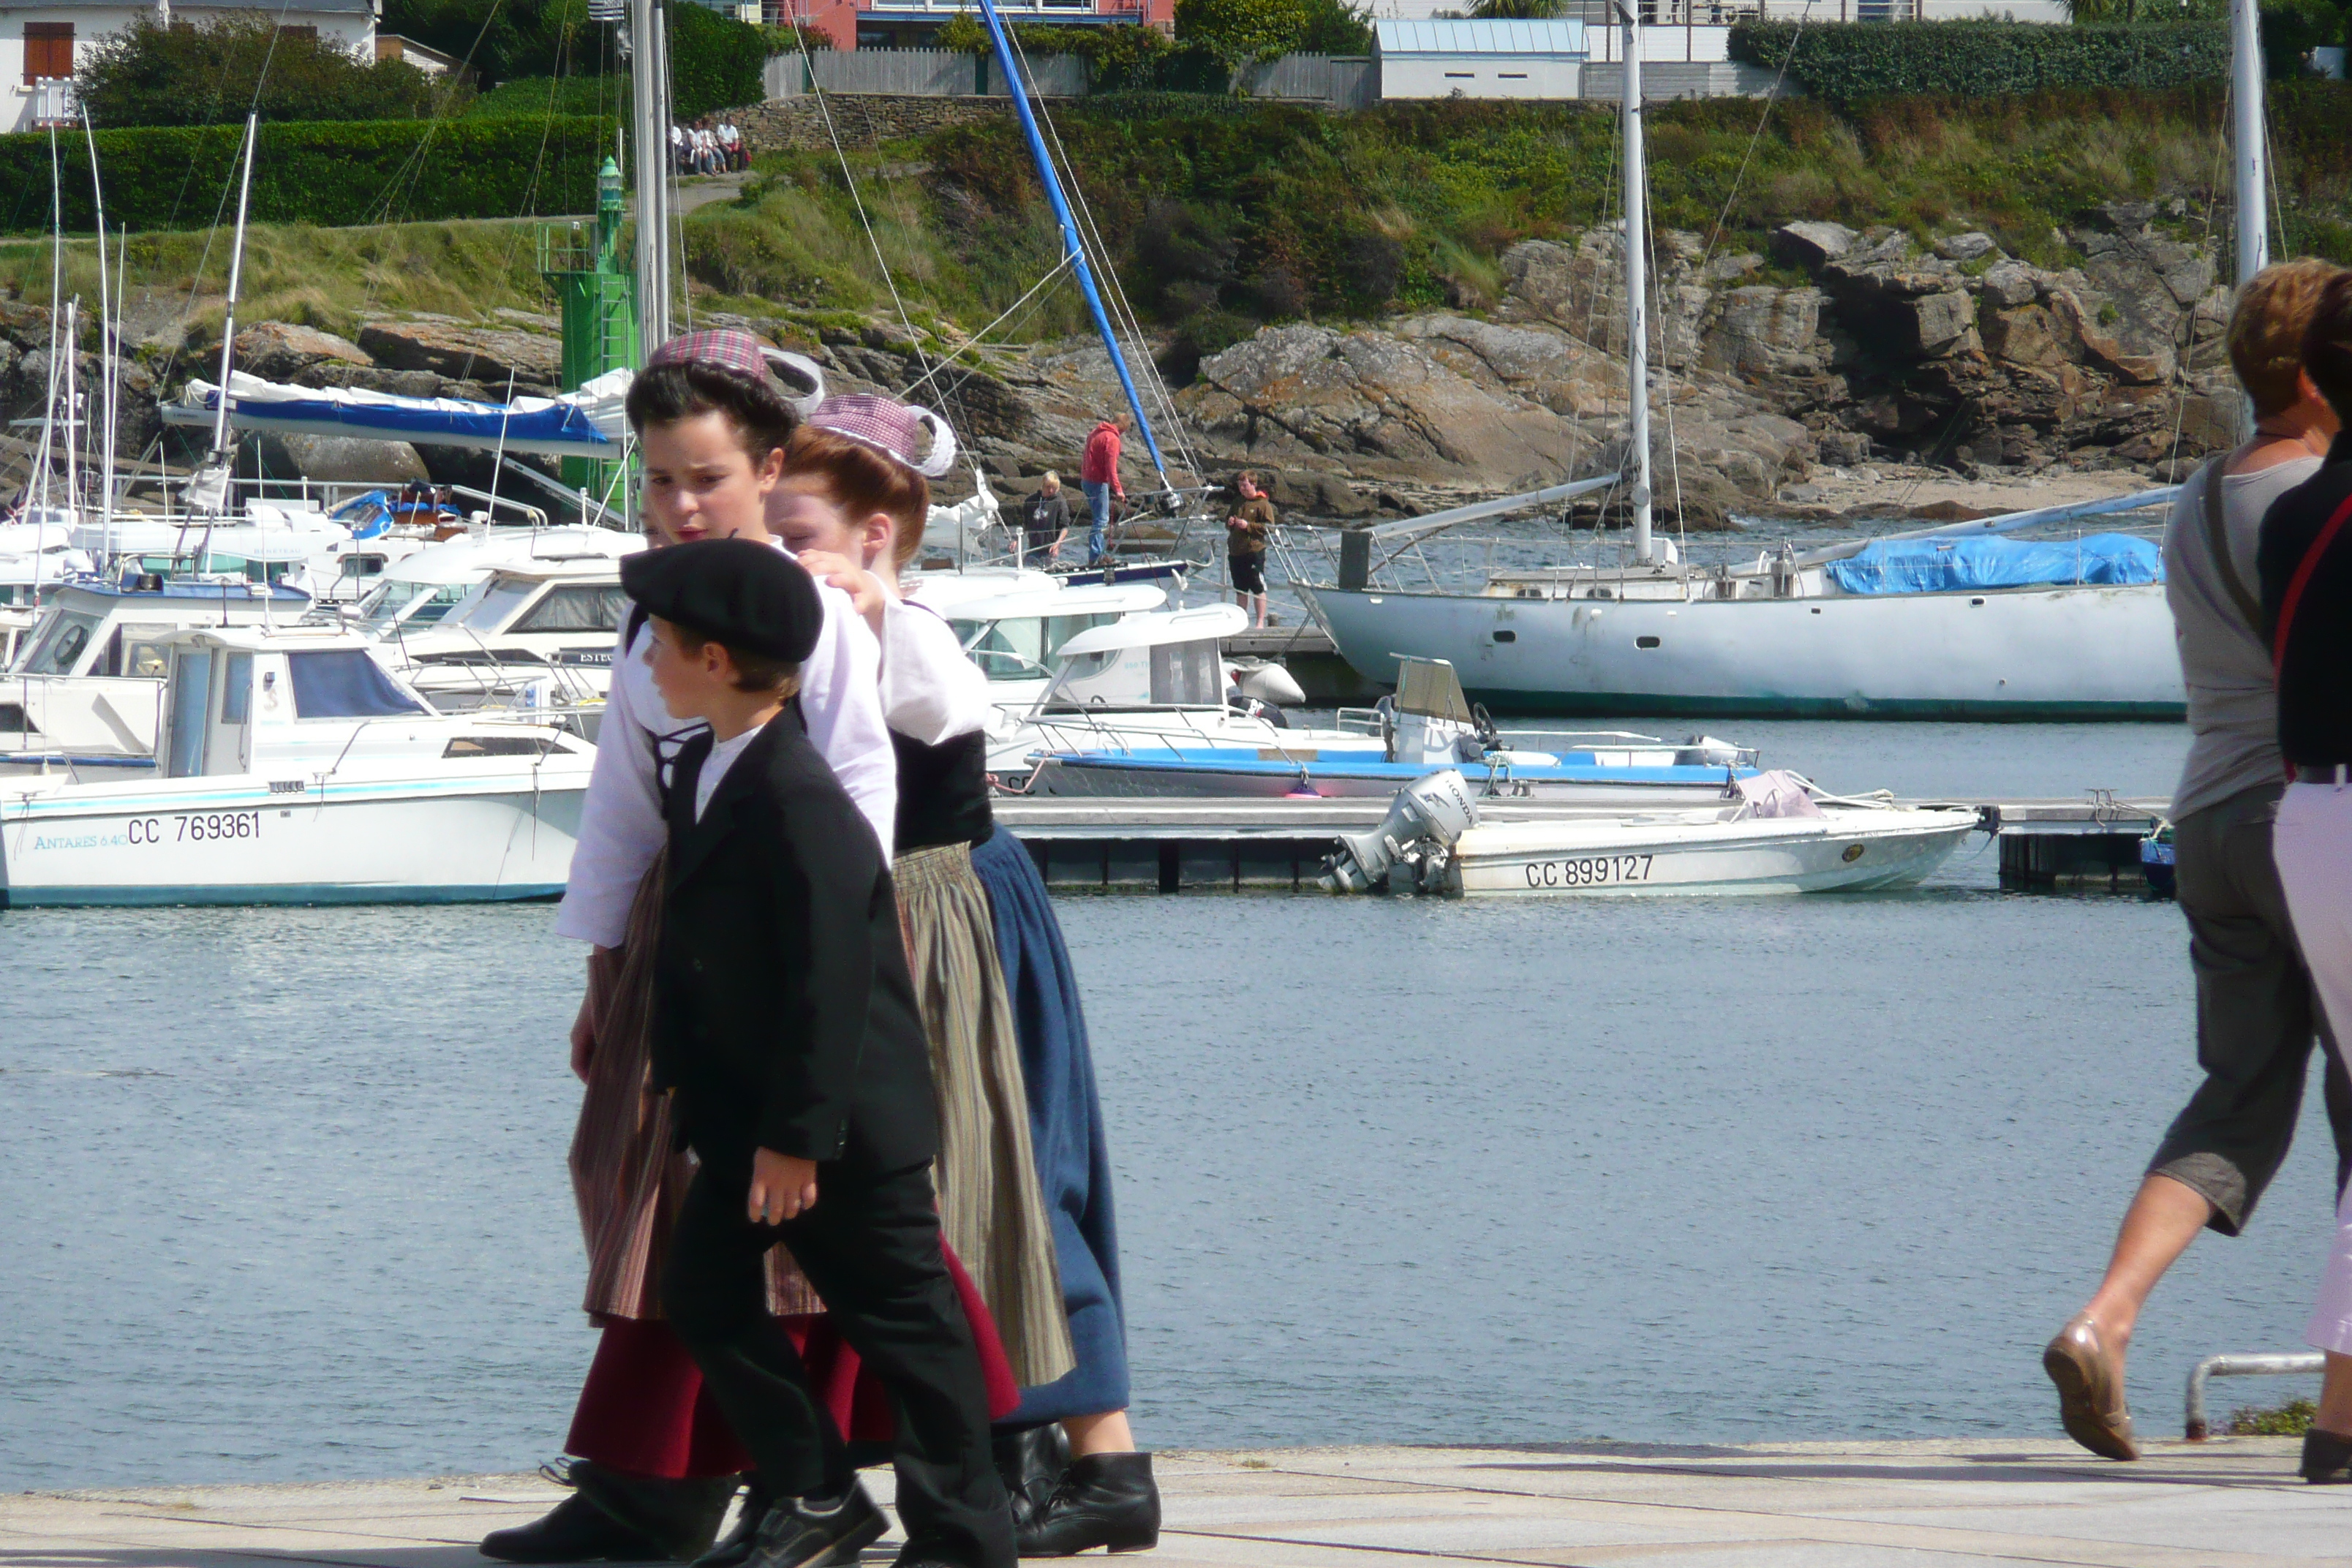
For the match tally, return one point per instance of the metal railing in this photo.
(2197, 1429)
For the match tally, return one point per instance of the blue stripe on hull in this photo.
(1625, 705)
(292, 893)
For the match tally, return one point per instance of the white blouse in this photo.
(621, 827)
(931, 690)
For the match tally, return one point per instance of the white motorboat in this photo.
(417, 592)
(86, 688)
(1781, 836)
(537, 634)
(299, 770)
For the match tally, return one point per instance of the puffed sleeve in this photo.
(621, 827)
(841, 702)
(931, 689)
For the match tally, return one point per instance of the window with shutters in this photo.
(49, 50)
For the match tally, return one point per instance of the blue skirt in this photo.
(1066, 1126)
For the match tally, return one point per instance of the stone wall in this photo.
(861, 120)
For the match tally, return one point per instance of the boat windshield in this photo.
(486, 610)
(60, 647)
(1018, 647)
(413, 606)
(345, 683)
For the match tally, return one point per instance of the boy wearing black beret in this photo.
(784, 1019)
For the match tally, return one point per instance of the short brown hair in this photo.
(2266, 329)
(753, 671)
(862, 481)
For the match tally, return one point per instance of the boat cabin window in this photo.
(58, 649)
(362, 565)
(345, 683)
(1186, 672)
(410, 605)
(577, 608)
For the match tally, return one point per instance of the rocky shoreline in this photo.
(1845, 374)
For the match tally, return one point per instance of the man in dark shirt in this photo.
(1046, 522)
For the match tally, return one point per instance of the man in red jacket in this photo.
(1098, 475)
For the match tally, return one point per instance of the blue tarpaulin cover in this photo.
(1953, 565)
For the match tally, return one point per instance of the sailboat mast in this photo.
(649, 95)
(235, 281)
(2248, 156)
(110, 304)
(1071, 246)
(1637, 283)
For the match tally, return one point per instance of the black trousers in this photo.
(871, 1247)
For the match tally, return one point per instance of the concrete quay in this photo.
(2228, 1503)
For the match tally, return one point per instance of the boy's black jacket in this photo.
(783, 1004)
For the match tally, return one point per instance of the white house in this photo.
(1439, 58)
(41, 41)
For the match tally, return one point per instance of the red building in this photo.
(915, 24)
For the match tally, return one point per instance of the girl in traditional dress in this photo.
(991, 962)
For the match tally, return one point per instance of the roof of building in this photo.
(294, 11)
(1397, 35)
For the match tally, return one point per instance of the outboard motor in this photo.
(1424, 821)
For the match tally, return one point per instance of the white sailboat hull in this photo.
(2092, 652)
(506, 834)
(1841, 852)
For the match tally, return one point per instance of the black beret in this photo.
(738, 594)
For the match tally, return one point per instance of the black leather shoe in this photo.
(577, 1530)
(681, 1517)
(1106, 1499)
(1032, 1464)
(2326, 1458)
(797, 1535)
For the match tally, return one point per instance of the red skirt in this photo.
(642, 1410)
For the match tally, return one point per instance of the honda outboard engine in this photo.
(1424, 821)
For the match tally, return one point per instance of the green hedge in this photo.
(1842, 61)
(328, 172)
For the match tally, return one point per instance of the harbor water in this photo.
(284, 1192)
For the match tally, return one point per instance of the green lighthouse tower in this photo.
(596, 295)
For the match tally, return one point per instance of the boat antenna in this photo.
(1071, 244)
(218, 462)
(1637, 325)
(107, 305)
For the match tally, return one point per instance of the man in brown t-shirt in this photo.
(1245, 535)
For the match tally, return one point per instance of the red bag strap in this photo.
(2302, 579)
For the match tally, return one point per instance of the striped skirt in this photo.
(628, 1174)
(992, 1210)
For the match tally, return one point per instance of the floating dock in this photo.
(1167, 845)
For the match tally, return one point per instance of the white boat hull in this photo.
(1840, 852)
(240, 841)
(2092, 652)
(1053, 776)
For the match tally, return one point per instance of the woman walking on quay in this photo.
(2255, 1018)
(852, 505)
(2307, 577)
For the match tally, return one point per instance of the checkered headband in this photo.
(892, 429)
(740, 350)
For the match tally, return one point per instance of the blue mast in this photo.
(1070, 244)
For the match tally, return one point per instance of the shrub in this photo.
(148, 74)
(714, 61)
(1843, 61)
(537, 97)
(1242, 32)
(501, 39)
(324, 173)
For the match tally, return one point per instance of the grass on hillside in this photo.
(1222, 214)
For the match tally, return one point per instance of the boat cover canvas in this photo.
(1952, 565)
(583, 424)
